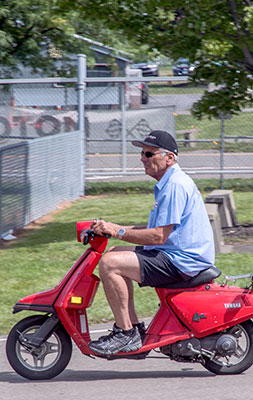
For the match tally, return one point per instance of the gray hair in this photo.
(165, 151)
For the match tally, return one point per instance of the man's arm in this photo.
(136, 235)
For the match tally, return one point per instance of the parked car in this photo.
(183, 67)
(149, 68)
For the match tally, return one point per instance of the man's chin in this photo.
(148, 171)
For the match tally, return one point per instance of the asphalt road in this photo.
(149, 379)
(181, 102)
(192, 162)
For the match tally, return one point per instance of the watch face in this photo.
(121, 232)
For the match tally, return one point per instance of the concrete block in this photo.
(225, 201)
(214, 218)
(188, 134)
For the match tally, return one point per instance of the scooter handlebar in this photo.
(87, 234)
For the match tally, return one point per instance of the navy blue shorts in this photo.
(156, 269)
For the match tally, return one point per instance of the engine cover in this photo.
(181, 348)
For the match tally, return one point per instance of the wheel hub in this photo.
(226, 345)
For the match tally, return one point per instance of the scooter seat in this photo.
(203, 277)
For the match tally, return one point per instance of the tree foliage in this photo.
(31, 30)
(215, 34)
(37, 33)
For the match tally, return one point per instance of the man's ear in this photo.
(170, 158)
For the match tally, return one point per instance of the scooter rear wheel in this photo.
(43, 362)
(241, 359)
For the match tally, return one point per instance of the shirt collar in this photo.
(165, 178)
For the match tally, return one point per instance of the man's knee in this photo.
(107, 263)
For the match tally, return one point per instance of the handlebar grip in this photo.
(86, 234)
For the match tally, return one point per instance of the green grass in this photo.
(204, 185)
(38, 260)
(175, 87)
(239, 125)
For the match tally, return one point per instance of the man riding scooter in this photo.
(175, 246)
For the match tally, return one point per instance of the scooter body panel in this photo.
(211, 308)
(45, 299)
(76, 296)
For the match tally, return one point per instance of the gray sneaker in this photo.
(141, 328)
(117, 341)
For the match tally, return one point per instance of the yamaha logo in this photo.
(232, 305)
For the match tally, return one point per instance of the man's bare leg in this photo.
(117, 269)
(131, 307)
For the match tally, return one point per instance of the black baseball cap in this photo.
(161, 139)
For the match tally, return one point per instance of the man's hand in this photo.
(101, 227)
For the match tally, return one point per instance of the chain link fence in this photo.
(207, 148)
(36, 176)
(45, 160)
(13, 187)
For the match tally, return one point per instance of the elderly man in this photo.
(175, 246)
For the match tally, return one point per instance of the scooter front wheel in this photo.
(42, 362)
(242, 356)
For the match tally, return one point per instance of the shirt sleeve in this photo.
(171, 206)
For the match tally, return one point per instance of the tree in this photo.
(29, 31)
(37, 33)
(214, 34)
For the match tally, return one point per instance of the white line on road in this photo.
(182, 154)
(96, 331)
(142, 170)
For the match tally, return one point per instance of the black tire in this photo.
(58, 348)
(243, 357)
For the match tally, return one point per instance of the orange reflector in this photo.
(76, 300)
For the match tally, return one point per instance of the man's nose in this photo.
(143, 157)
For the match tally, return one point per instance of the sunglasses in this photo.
(149, 154)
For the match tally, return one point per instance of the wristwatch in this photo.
(121, 233)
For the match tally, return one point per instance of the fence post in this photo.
(26, 191)
(1, 196)
(82, 73)
(222, 152)
(123, 125)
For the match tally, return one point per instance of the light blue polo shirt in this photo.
(190, 245)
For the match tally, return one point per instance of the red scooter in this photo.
(198, 321)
